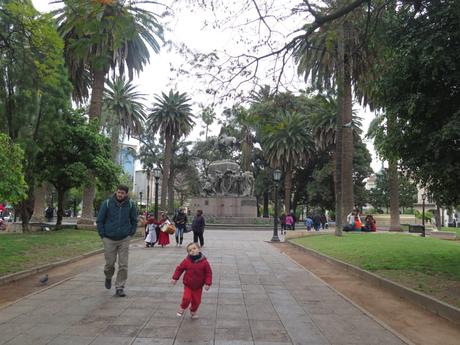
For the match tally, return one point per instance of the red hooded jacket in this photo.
(197, 273)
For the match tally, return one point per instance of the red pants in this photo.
(193, 297)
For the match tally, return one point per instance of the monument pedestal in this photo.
(225, 206)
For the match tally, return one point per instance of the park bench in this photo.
(416, 228)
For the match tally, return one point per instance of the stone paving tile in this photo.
(159, 332)
(150, 341)
(261, 311)
(8, 331)
(231, 312)
(189, 332)
(26, 339)
(233, 333)
(121, 330)
(271, 343)
(105, 340)
(72, 340)
(232, 342)
(269, 331)
(87, 330)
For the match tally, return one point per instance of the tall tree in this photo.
(287, 144)
(171, 116)
(33, 85)
(336, 56)
(13, 186)
(99, 36)
(208, 116)
(71, 152)
(123, 111)
(418, 87)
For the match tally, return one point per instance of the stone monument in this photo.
(226, 191)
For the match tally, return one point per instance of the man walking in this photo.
(116, 224)
(180, 221)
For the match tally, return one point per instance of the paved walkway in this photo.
(259, 297)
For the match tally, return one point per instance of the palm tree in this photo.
(123, 111)
(208, 115)
(171, 116)
(323, 121)
(335, 56)
(100, 36)
(286, 145)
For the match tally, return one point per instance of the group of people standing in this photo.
(357, 222)
(288, 221)
(316, 221)
(155, 235)
(117, 224)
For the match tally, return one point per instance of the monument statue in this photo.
(226, 179)
(226, 191)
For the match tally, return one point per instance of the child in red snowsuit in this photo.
(197, 274)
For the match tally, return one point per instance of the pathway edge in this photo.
(364, 311)
(429, 303)
(26, 273)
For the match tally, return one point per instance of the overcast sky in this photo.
(195, 27)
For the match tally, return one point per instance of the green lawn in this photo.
(427, 264)
(22, 251)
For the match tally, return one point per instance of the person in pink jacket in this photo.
(198, 273)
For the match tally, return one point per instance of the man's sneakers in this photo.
(108, 283)
(120, 293)
(180, 312)
(193, 315)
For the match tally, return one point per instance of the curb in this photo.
(24, 274)
(429, 303)
(364, 311)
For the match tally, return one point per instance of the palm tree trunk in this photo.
(166, 171)
(60, 210)
(265, 207)
(347, 143)
(95, 109)
(115, 137)
(287, 189)
(39, 204)
(393, 180)
(171, 193)
(437, 217)
(339, 136)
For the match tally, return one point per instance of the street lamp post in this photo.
(423, 214)
(148, 188)
(276, 179)
(156, 174)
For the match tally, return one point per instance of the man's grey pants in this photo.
(111, 249)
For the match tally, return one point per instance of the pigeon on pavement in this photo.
(43, 279)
